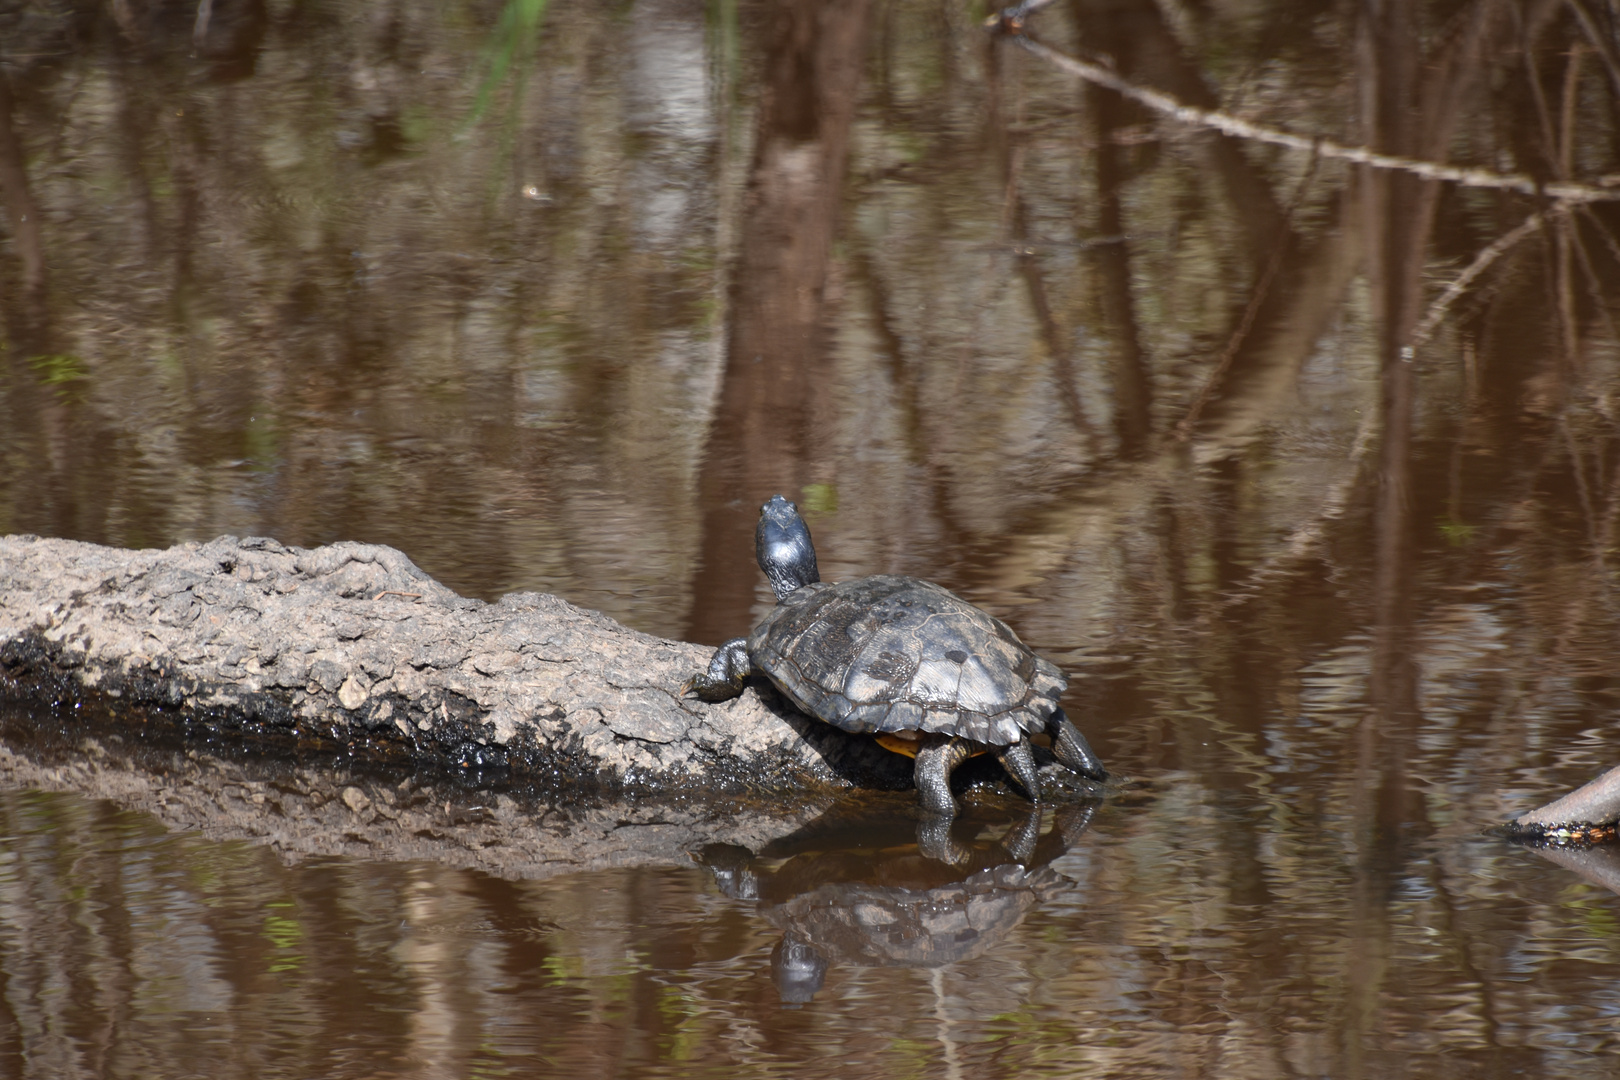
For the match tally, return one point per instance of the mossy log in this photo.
(256, 647)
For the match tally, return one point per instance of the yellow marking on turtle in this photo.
(905, 743)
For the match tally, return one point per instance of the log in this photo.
(251, 646)
(1587, 815)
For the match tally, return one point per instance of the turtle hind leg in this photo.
(1070, 747)
(936, 760)
(1019, 761)
(728, 671)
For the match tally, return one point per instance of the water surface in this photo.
(1306, 473)
(1163, 936)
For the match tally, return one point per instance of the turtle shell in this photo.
(895, 654)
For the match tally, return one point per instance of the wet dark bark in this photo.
(765, 426)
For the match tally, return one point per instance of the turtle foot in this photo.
(728, 673)
(1071, 748)
(1019, 761)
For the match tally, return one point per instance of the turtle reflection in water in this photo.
(927, 672)
(859, 893)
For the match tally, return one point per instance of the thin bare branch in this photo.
(1607, 188)
(1594, 284)
(1459, 285)
(1308, 535)
(1609, 242)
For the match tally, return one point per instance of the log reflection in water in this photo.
(323, 806)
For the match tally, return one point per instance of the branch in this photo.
(1358, 155)
(1184, 429)
(1459, 285)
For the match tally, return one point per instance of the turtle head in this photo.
(782, 546)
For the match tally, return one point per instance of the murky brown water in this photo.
(552, 297)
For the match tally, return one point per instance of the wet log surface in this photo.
(352, 654)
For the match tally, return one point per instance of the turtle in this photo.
(928, 673)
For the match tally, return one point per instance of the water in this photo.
(552, 298)
(1176, 929)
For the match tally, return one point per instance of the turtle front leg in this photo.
(728, 671)
(936, 760)
(1070, 747)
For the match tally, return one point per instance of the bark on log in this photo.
(350, 648)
